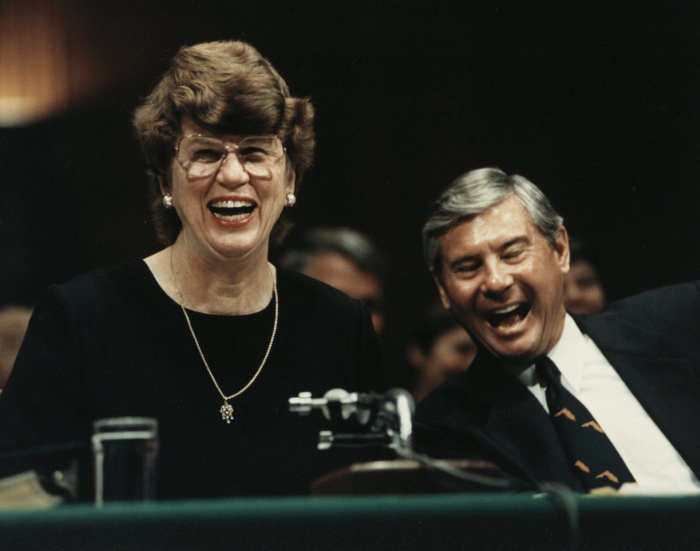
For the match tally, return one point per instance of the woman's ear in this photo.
(291, 181)
(164, 188)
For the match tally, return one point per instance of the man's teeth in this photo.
(506, 310)
(508, 315)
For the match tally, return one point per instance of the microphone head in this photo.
(335, 397)
(400, 394)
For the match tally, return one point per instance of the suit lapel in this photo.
(666, 387)
(513, 422)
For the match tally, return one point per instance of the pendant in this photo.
(227, 412)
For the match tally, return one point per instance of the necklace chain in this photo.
(226, 409)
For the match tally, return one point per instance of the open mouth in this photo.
(232, 211)
(508, 316)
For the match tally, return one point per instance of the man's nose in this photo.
(232, 172)
(497, 279)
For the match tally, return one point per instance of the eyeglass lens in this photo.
(201, 156)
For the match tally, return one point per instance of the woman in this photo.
(205, 335)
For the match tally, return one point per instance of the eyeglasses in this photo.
(201, 156)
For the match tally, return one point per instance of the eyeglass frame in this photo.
(226, 148)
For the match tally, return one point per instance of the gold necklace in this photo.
(227, 409)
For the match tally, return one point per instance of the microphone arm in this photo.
(385, 418)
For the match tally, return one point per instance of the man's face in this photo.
(338, 271)
(504, 282)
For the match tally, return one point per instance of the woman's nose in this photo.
(232, 172)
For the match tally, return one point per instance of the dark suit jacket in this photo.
(653, 342)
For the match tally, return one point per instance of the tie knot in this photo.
(547, 371)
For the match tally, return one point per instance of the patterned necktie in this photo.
(588, 448)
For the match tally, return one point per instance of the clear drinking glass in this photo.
(125, 450)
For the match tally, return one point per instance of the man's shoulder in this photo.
(671, 304)
(661, 318)
(663, 298)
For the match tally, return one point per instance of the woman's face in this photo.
(229, 213)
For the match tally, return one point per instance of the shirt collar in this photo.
(567, 354)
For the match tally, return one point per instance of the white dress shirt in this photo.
(586, 373)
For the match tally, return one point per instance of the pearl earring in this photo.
(168, 201)
(291, 199)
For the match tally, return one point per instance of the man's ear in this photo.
(443, 294)
(561, 250)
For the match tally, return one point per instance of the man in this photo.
(624, 382)
(344, 259)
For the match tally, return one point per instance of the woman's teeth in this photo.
(231, 211)
(231, 217)
(232, 204)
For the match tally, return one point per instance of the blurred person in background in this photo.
(13, 325)
(344, 259)
(438, 347)
(583, 291)
(206, 335)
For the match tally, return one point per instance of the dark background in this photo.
(596, 102)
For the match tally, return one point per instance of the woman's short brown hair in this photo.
(226, 87)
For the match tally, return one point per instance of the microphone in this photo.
(387, 418)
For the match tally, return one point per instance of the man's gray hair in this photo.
(476, 192)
